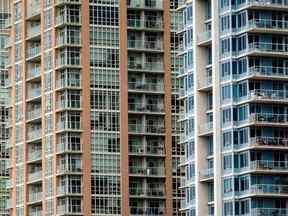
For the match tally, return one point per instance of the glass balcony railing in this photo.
(155, 211)
(150, 171)
(33, 93)
(69, 83)
(34, 113)
(204, 36)
(33, 72)
(149, 149)
(147, 66)
(206, 173)
(35, 176)
(269, 165)
(268, 24)
(280, 72)
(67, 147)
(35, 196)
(263, 3)
(33, 8)
(146, 86)
(269, 189)
(268, 118)
(67, 209)
(153, 4)
(67, 1)
(145, 45)
(33, 51)
(141, 191)
(35, 213)
(69, 169)
(140, 128)
(267, 47)
(267, 94)
(143, 107)
(269, 212)
(33, 31)
(146, 23)
(269, 141)
(65, 40)
(34, 155)
(72, 20)
(206, 128)
(34, 134)
(65, 125)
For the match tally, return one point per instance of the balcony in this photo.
(34, 114)
(69, 169)
(156, 66)
(68, 20)
(35, 212)
(68, 105)
(148, 150)
(68, 210)
(269, 119)
(269, 166)
(206, 174)
(68, 147)
(269, 142)
(146, 108)
(33, 93)
(34, 155)
(263, 72)
(65, 190)
(33, 52)
(265, 49)
(146, 24)
(148, 192)
(147, 211)
(204, 38)
(262, 4)
(266, 25)
(72, 83)
(149, 129)
(33, 72)
(35, 197)
(60, 2)
(206, 129)
(146, 87)
(34, 134)
(269, 212)
(33, 32)
(33, 10)
(62, 40)
(267, 95)
(143, 45)
(147, 172)
(269, 189)
(140, 4)
(65, 125)
(35, 176)
(206, 84)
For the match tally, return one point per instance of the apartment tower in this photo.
(94, 119)
(4, 155)
(236, 107)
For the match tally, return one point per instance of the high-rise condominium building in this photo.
(4, 156)
(94, 126)
(236, 79)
